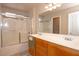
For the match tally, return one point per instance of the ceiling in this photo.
(23, 6)
(40, 6)
(63, 7)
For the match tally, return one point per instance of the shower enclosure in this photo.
(14, 29)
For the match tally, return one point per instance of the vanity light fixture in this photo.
(52, 6)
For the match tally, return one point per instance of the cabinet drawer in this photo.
(41, 51)
(40, 42)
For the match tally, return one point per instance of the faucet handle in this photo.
(69, 39)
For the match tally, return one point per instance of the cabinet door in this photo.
(41, 51)
(65, 51)
(41, 47)
(58, 50)
(53, 50)
(42, 43)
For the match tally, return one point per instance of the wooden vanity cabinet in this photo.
(58, 50)
(41, 47)
(44, 48)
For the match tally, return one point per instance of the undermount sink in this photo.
(57, 37)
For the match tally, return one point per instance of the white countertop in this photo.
(60, 39)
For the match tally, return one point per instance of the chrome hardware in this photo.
(69, 39)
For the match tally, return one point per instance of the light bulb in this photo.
(54, 7)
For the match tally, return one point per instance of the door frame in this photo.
(59, 23)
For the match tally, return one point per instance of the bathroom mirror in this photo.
(60, 22)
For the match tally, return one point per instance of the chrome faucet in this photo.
(69, 39)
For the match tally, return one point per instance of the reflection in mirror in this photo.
(56, 25)
(68, 23)
(44, 24)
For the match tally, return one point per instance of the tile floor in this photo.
(25, 54)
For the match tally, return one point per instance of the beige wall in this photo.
(34, 19)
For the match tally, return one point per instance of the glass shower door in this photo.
(0, 29)
(23, 26)
(10, 34)
(13, 30)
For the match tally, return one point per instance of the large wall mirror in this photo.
(60, 22)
